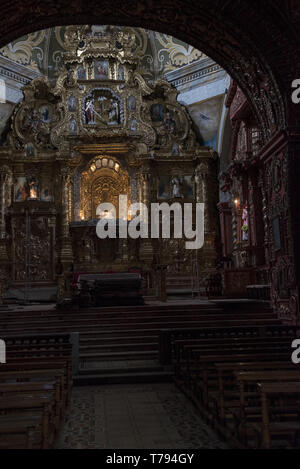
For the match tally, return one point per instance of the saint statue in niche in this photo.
(113, 113)
(29, 149)
(175, 149)
(89, 111)
(121, 73)
(176, 187)
(245, 225)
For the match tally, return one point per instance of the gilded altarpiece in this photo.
(101, 131)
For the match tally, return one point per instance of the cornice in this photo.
(196, 71)
(16, 72)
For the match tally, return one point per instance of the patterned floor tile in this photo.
(134, 416)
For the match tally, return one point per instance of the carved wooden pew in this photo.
(36, 382)
(214, 403)
(168, 337)
(250, 409)
(58, 369)
(202, 375)
(228, 391)
(280, 412)
(28, 406)
(187, 358)
(198, 386)
(20, 433)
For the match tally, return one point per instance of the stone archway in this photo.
(253, 42)
(256, 42)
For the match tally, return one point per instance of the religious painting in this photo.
(206, 116)
(72, 103)
(81, 73)
(131, 103)
(157, 112)
(121, 74)
(169, 122)
(21, 189)
(101, 70)
(72, 126)
(30, 150)
(102, 107)
(46, 195)
(45, 114)
(188, 187)
(33, 121)
(164, 188)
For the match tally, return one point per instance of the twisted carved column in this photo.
(66, 253)
(146, 250)
(3, 251)
(202, 179)
(264, 205)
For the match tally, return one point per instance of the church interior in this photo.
(134, 341)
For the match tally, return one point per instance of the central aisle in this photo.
(131, 416)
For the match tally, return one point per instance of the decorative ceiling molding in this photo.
(195, 74)
(15, 76)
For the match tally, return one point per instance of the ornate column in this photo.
(146, 249)
(256, 223)
(66, 253)
(262, 186)
(205, 194)
(4, 174)
(202, 180)
(226, 231)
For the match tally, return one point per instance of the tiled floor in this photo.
(134, 417)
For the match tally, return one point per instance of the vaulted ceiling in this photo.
(158, 53)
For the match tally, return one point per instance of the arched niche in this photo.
(102, 181)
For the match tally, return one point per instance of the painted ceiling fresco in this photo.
(158, 53)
